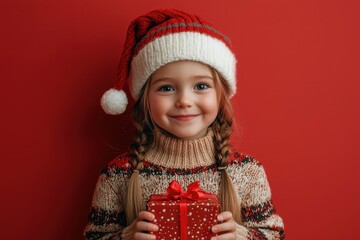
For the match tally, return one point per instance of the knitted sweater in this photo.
(183, 160)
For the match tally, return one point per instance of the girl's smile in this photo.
(185, 118)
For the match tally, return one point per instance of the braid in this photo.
(141, 144)
(228, 197)
(222, 132)
(222, 128)
(144, 139)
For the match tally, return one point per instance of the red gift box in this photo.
(184, 215)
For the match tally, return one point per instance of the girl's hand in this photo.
(143, 227)
(226, 229)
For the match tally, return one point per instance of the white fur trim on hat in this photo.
(182, 46)
(114, 101)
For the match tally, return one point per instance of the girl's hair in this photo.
(222, 128)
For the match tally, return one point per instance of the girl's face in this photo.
(183, 99)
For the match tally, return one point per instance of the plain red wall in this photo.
(297, 107)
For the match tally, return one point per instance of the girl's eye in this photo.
(201, 86)
(166, 88)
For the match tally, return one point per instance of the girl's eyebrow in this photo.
(171, 78)
(202, 76)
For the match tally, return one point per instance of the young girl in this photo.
(181, 72)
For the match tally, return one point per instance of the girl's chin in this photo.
(183, 133)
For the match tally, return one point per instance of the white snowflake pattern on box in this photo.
(201, 216)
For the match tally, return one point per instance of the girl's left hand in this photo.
(226, 229)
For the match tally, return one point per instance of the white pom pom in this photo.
(114, 101)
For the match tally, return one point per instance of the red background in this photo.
(296, 106)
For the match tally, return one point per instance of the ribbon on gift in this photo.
(194, 192)
(175, 192)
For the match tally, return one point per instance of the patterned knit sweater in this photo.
(183, 160)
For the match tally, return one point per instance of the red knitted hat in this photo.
(163, 36)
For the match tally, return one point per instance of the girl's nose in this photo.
(184, 100)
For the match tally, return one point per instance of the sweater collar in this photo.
(173, 152)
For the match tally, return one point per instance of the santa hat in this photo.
(163, 36)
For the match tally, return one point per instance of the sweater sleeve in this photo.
(260, 220)
(107, 218)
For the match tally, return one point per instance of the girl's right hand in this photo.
(143, 227)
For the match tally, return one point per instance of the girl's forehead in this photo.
(182, 69)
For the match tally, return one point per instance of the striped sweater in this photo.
(185, 161)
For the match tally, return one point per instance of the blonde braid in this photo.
(222, 128)
(144, 139)
(222, 133)
(228, 197)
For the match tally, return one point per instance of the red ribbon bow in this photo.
(175, 192)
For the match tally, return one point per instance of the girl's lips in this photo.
(184, 117)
